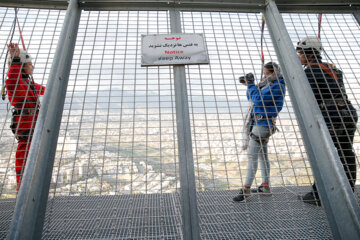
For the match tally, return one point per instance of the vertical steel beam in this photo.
(29, 214)
(335, 192)
(357, 16)
(190, 216)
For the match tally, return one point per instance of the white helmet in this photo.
(24, 57)
(310, 43)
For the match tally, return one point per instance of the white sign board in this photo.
(171, 49)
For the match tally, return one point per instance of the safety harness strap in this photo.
(327, 69)
(261, 140)
(18, 106)
(343, 99)
(25, 111)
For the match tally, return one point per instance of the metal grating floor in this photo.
(151, 216)
(278, 216)
(157, 216)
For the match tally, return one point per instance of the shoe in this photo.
(243, 194)
(263, 189)
(310, 198)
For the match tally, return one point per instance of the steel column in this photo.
(357, 16)
(190, 216)
(28, 218)
(336, 195)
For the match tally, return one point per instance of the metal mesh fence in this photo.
(118, 133)
(218, 106)
(116, 166)
(218, 102)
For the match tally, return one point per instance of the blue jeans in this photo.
(256, 150)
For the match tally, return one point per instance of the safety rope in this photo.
(329, 71)
(261, 45)
(16, 20)
(3, 92)
(319, 36)
(319, 24)
(21, 37)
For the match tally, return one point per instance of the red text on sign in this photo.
(174, 52)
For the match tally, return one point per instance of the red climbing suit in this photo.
(23, 95)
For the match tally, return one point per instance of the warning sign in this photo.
(171, 49)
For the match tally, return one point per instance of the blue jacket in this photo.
(268, 100)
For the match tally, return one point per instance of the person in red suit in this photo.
(23, 94)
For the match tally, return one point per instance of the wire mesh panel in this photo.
(117, 142)
(116, 168)
(218, 105)
(40, 30)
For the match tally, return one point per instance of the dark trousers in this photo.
(343, 141)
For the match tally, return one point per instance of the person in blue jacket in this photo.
(266, 101)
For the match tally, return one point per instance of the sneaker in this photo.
(263, 189)
(243, 194)
(310, 198)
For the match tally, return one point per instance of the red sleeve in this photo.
(40, 89)
(14, 75)
(18, 91)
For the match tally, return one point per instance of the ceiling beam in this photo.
(299, 6)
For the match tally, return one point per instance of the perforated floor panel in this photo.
(158, 216)
(278, 216)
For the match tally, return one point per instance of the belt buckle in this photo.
(259, 117)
